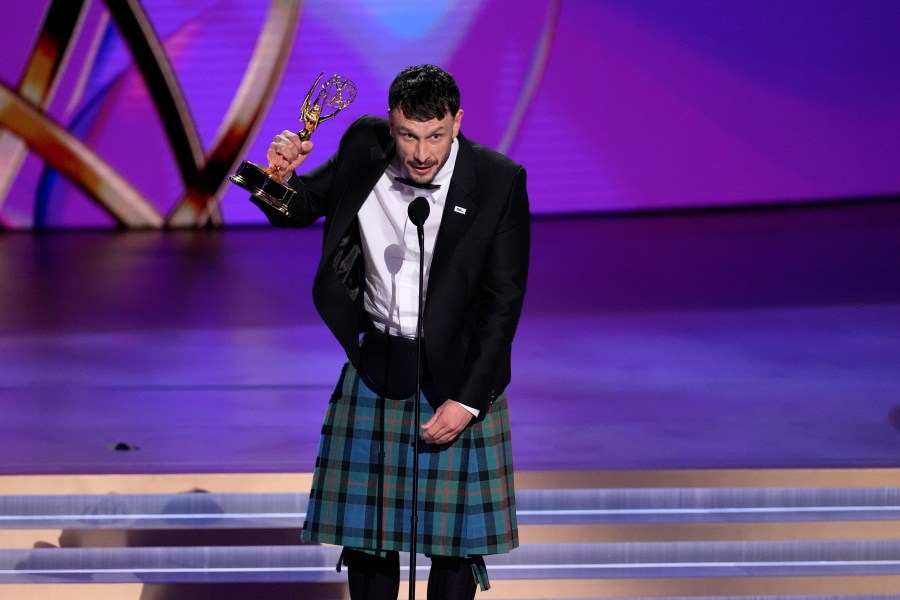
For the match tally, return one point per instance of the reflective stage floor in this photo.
(745, 339)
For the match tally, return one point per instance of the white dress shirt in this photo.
(391, 246)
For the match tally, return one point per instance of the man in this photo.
(476, 243)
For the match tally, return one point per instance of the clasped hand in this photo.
(449, 420)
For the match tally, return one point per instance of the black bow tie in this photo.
(415, 184)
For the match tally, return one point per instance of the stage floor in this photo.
(745, 339)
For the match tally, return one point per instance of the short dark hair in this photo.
(424, 92)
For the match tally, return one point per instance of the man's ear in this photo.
(456, 122)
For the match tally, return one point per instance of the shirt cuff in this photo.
(475, 412)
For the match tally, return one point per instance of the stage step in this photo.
(546, 507)
(622, 560)
(653, 542)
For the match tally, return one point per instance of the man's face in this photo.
(423, 146)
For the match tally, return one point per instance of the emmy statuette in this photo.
(264, 182)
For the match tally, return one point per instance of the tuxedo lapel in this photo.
(360, 181)
(459, 210)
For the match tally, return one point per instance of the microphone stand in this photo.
(418, 213)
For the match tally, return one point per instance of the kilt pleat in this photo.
(362, 485)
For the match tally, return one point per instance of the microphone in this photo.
(418, 211)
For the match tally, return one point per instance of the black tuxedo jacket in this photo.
(479, 267)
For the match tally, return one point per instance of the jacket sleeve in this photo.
(310, 202)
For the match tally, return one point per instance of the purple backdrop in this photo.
(610, 105)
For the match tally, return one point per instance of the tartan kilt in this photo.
(362, 488)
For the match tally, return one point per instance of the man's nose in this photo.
(421, 153)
